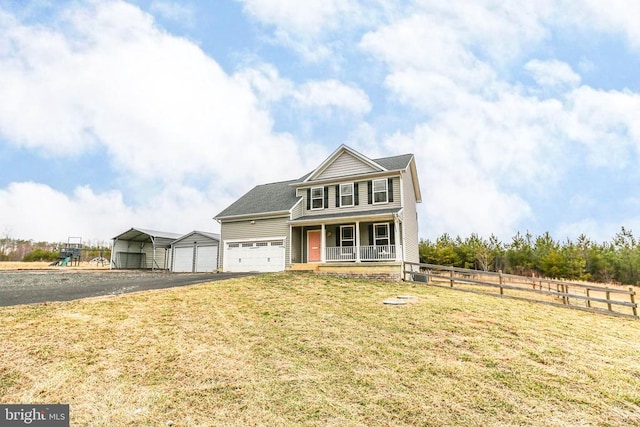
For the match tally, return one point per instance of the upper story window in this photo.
(380, 191)
(317, 198)
(346, 194)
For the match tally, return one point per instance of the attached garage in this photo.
(263, 256)
(196, 252)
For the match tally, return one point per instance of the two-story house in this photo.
(351, 215)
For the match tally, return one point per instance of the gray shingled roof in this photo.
(281, 196)
(274, 197)
(395, 162)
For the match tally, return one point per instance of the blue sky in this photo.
(159, 114)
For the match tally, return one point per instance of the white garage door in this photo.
(264, 257)
(183, 259)
(206, 258)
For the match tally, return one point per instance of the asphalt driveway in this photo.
(30, 287)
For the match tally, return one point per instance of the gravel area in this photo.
(28, 287)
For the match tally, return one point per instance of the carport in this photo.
(139, 248)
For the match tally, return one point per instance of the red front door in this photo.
(314, 240)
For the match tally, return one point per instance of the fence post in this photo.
(501, 282)
(632, 294)
(451, 280)
(566, 292)
(608, 294)
(588, 300)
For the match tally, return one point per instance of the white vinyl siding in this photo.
(410, 221)
(297, 211)
(345, 165)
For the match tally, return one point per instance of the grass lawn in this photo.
(301, 349)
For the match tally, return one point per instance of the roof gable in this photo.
(344, 161)
(213, 236)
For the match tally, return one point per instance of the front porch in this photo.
(361, 253)
(368, 239)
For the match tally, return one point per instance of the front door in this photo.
(314, 240)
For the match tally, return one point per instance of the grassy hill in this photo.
(300, 349)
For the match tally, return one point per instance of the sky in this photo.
(158, 114)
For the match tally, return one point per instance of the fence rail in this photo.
(601, 299)
(367, 253)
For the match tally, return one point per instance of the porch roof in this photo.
(342, 216)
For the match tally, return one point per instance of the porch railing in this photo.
(367, 253)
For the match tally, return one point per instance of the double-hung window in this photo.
(346, 194)
(381, 234)
(347, 235)
(380, 191)
(347, 242)
(317, 198)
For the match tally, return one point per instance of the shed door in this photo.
(183, 259)
(266, 256)
(206, 258)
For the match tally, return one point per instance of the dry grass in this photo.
(44, 265)
(301, 349)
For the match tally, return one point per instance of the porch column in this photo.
(323, 245)
(357, 241)
(396, 237)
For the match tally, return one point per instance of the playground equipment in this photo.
(70, 254)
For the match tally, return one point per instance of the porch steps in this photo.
(312, 268)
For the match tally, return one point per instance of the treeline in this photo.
(541, 256)
(27, 250)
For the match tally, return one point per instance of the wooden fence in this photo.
(600, 299)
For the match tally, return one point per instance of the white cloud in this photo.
(329, 95)
(608, 16)
(310, 17)
(315, 29)
(159, 105)
(606, 123)
(173, 11)
(333, 94)
(32, 210)
(461, 196)
(552, 73)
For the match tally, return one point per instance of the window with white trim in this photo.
(380, 191)
(381, 234)
(317, 198)
(347, 235)
(346, 194)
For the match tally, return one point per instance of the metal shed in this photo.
(139, 248)
(196, 252)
